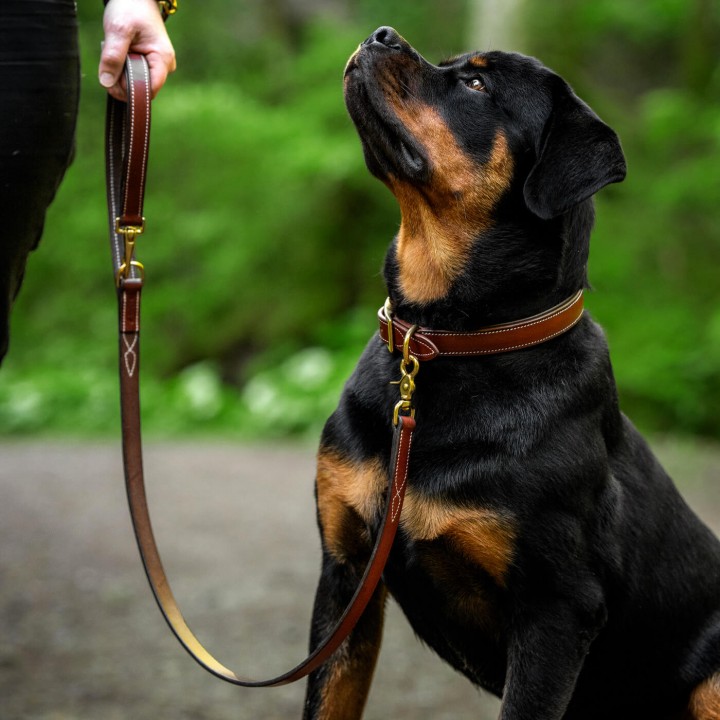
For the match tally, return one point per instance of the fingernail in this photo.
(107, 80)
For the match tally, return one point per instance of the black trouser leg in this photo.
(39, 91)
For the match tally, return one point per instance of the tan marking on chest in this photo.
(705, 700)
(442, 219)
(348, 495)
(483, 536)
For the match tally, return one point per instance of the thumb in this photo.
(112, 58)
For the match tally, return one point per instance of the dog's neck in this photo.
(513, 270)
(443, 219)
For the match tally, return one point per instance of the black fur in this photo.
(610, 605)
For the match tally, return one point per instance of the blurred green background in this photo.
(266, 234)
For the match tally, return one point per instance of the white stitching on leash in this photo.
(130, 354)
(397, 499)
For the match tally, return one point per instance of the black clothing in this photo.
(39, 92)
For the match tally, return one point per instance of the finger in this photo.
(160, 67)
(112, 58)
(119, 89)
(158, 73)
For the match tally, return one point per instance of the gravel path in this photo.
(82, 639)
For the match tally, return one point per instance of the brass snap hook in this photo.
(130, 234)
(409, 367)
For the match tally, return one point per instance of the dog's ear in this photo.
(577, 155)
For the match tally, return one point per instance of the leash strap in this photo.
(127, 142)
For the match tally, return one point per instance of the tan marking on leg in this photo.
(346, 688)
(347, 491)
(705, 700)
(441, 220)
(483, 536)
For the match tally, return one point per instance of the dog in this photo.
(542, 551)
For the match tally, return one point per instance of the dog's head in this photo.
(480, 144)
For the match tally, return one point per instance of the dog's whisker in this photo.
(408, 91)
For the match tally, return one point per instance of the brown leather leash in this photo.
(127, 144)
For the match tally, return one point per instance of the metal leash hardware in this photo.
(409, 367)
(129, 234)
(127, 145)
(391, 333)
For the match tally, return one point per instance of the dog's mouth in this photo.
(378, 74)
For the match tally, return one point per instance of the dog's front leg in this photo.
(349, 494)
(546, 654)
(338, 690)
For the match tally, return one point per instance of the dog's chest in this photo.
(351, 496)
(452, 591)
(448, 568)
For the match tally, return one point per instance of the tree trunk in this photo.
(496, 25)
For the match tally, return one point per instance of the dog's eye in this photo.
(475, 84)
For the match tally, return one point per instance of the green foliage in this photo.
(651, 69)
(437, 28)
(654, 262)
(262, 219)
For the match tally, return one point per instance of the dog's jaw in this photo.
(371, 73)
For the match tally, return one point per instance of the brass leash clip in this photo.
(130, 234)
(409, 366)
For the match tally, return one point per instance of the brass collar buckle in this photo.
(387, 309)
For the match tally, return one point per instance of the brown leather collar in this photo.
(426, 344)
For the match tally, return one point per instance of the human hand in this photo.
(134, 26)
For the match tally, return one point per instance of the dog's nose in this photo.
(385, 36)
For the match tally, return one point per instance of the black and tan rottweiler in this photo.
(542, 552)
